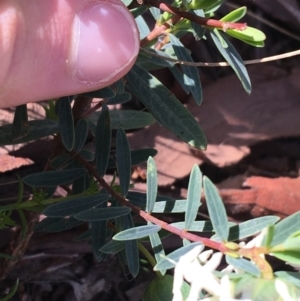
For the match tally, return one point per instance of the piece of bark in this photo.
(263, 196)
(8, 162)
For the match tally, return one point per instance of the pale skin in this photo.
(53, 48)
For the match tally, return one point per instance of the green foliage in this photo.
(120, 220)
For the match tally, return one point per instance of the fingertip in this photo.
(105, 43)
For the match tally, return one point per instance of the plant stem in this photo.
(196, 19)
(148, 217)
(149, 257)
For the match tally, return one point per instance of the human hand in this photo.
(52, 48)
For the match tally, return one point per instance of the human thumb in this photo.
(52, 48)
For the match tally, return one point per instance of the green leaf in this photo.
(12, 292)
(291, 277)
(216, 209)
(157, 248)
(81, 132)
(23, 223)
(127, 2)
(99, 214)
(151, 185)
(160, 289)
(162, 204)
(84, 236)
(193, 196)
(141, 155)
(119, 99)
(249, 35)
(179, 78)
(20, 123)
(102, 93)
(137, 11)
(191, 74)
(142, 26)
(152, 62)
(61, 225)
(165, 107)
(268, 236)
(170, 261)
(235, 15)
(126, 120)
(60, 161)
(113, 247)
(292, 257)
(256, 289)
(292, 243)
(131, 246)
(103, 141)
(197, 226)
(198, 30)
(232, 57)
(98, 238)
(66, 122)
(43, 224)
(36, 129)
(244, 265)
(75, 205)
(285, 228)
(53, 178)
(137, 232)
(80, 185)
(123, 157)
(87, 155)
(155, 12)
(251, 227)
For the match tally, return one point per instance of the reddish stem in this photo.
(148, 217)
(194, 18)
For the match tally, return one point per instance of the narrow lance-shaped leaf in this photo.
(157, 248)
(151, 185)
(75, 205)
(216, 209)
(165, 107)
(243, 264)
(99, 238)
(113, 247)
(103, 141)
(285, 228)
(123, 157)
(99, 214)
(251, 227)
(235, 15)
(62, 225)
(53, 178)
(191, 74)
(66, 122)
(126, 120)
(137, 232)
(36, 129)
(131, 247)
(20, 123)
(232, 57)
(193, 197)
(12, 292)
(170, 261)
(81, 132)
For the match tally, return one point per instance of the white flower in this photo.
(283, 291)
(198, 271)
